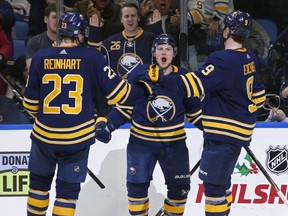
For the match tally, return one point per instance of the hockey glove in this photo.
(103, 130)
(154, 75)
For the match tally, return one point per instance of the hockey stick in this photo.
(160, 212)
(92, 175)
(273, 184)
(15, 91)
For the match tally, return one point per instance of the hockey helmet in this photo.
(164, 39)
(239, 23)
(71, 23)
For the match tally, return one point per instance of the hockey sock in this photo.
(215, 206)
(37, 203)
(174, 207)
(64, 207)
(138, 206)
(229, 198)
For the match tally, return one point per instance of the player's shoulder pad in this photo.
(181, 70)
(138, 73)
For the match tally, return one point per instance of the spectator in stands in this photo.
(7, 18)
(196, 30)
(205, 24)
(11, 110)
(44, 39)
(108, 13)
(21, 9)
(6, 50)
(17, 77)
(170, 19)
(279, 107)
(215, 12)
(37, 10)
(77, 6)
(70, 3)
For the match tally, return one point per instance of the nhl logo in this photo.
(277, 159)
(132, 170)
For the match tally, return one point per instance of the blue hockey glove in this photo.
(103, 130)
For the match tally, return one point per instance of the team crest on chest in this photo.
(127, 63)
(162, 109)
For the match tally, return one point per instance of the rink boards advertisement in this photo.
(253, 195)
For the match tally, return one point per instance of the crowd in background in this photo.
(204, 35)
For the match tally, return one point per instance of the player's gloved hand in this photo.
(154, 75)
(103, 129)
(150, 81)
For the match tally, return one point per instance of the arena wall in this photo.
(253, 195)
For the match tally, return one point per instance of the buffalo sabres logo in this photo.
(277, 159)
(127, 63)
(162, 108)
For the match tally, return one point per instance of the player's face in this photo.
(164, 55)
(51, 22)
(163, 6)
(130, 20)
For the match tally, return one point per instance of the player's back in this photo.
(226, 77)
(62, 82)
(230, 81)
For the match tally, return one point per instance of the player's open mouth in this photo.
(163, 59)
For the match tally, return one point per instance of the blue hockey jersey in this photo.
(62, 83)
(124, 53)
(231, 94)
(161, 119)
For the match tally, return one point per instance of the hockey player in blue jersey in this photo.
(131, 47)
(125, 50)
(231, 94)
(60, 89)
(156, 134)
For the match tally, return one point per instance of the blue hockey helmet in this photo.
(164, 39)
(71, 23)
(239, 23)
